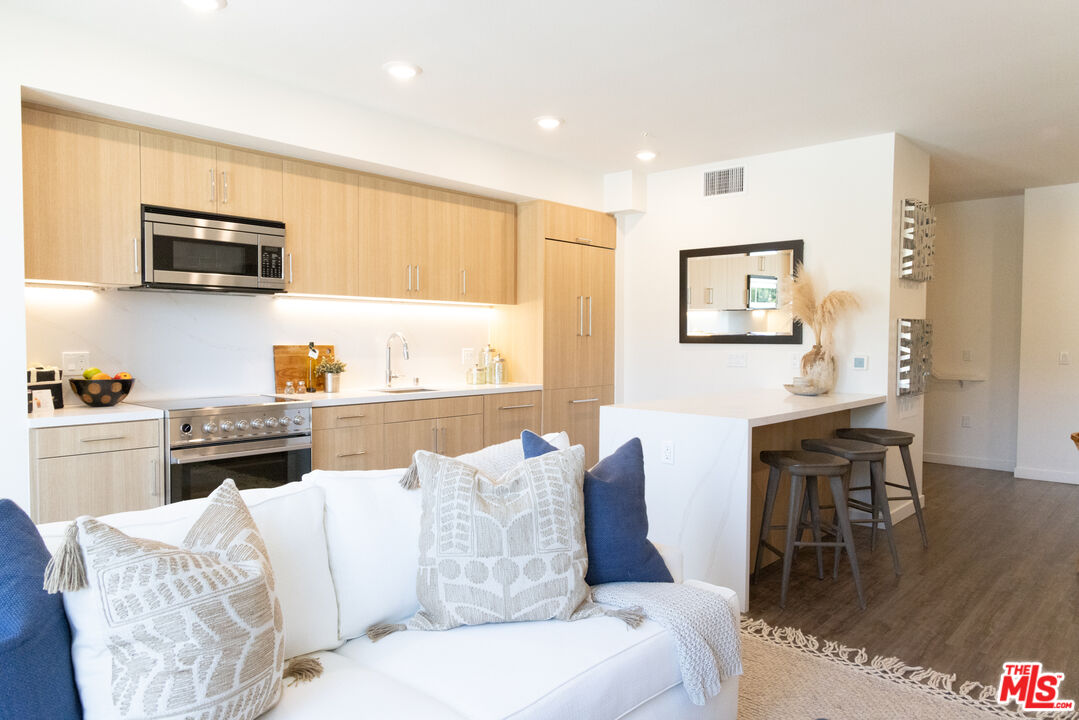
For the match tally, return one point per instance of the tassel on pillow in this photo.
(302, 669)
(411, 478)
(66, 571)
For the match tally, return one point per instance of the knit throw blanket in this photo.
(704, 625)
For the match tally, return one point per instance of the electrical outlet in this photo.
(795, 361)
(668, 452)
(739, 359)
(968, 356)
(468, 356)
(964, 421)
(75, 362)
(859, 362)
(1064, 358)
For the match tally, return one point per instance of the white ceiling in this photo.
(989, 87)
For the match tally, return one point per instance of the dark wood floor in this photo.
(999, 581)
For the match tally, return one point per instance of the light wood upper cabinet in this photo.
(578, 225)
(384, 238)
(179, 172)
(251, 184)
(436, 239)
(80, 200)
(488, 253)
(321, 207)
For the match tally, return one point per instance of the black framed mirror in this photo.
(731, 294)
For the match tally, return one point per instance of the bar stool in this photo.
(804, 468)
(878, 509)
(902, 440)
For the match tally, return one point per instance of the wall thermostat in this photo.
(859, 362)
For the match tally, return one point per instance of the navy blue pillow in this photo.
(615, 517)
(35, 640)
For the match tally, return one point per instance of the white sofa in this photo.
(343, 549)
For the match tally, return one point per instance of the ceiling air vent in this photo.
(722, 182)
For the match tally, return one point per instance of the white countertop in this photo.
(75, 413)
(361, 397)
(764, 406)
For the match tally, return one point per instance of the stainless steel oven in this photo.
(257, 441)
(199, 251)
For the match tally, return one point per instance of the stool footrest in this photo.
(799, 544)
(772, 547)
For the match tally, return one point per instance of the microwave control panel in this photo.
(273, 266)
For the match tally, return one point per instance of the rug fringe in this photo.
(971, 694)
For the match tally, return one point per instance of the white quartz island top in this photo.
(759, 406)
(361, 397)
(79, 414)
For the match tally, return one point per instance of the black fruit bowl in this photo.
(101, 393)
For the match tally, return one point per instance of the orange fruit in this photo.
(101, 376)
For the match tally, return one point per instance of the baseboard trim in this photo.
(1029, 473)
(968, 461)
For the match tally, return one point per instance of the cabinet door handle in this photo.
(587, 400)
(589, 316)
(584, 240)
(464, 282)
(225, 183)
(155, 488)
(410, 278)
(361, 452)
(213, 186)
(350, 417)
(290, 268)
(417, 278)
(442, 439)
(103, 439)
(517, 407)
(580, 316)
(135, 245)
(711, 296)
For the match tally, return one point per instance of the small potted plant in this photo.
(330, 367)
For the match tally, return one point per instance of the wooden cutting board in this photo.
(290, 362)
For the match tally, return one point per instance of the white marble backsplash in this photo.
(189, 345)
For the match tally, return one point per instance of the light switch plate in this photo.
(968, 356)
(964, 421)
(859, 362)
(468, 356)
(1064, 358)
(75, 362)
(737, 359)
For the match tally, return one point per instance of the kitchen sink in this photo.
(405, 389)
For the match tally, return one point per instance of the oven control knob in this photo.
(186, 428)
(298, 419)
(256, 423)
(226, 425)
(283, 422)
(209, 428)
(271, 422)
(242, 424)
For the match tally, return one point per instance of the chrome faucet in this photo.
(389, 362)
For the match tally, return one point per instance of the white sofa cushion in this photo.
(372, 532)
(290, 520)
(347, 689)
(494, 461)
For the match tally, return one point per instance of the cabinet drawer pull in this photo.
(361, 452)
(588, 400)
(517, 407)
(350, 417)
(584, 240)
(115, 437)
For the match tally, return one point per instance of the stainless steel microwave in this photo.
(183, 250)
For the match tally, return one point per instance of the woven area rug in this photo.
(792, 676)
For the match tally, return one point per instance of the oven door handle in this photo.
(185, 456)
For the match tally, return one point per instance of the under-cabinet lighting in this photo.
(55, 294)
(64, 284)
(390, 301)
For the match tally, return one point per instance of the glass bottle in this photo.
(289, 388)
(302, 387)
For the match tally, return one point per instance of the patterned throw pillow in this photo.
(500, 551)
(178, 632)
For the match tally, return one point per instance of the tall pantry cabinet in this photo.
(561, 332)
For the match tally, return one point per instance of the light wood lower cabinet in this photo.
(449, 426)
(505, 415)
(576, 410)
(459, 435)
(347, 448)
(400, 440)
(95, 470)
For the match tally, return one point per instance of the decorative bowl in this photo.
(101, 393)
(807, 390)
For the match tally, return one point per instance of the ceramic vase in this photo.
(820, 367)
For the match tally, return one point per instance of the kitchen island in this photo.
(705, 486)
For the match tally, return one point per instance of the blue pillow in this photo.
(35, 640)
(615, 517)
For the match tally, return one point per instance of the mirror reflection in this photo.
(732, 294)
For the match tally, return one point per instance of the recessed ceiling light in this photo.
(549, 122)
(400, 70)
(646, 155)
(206, 5)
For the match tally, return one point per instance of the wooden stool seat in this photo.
(880, 436)
(800, 462)
(902, 440)
(852, 450)
(804, 467)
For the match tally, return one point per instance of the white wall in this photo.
(974, 303)
(837, 197)
(1049, 391)
(60, 63)
(185, 345)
